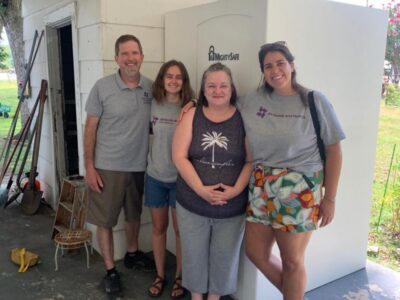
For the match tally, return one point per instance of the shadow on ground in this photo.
(73, 280)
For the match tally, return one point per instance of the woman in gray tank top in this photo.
(286, 200)
(171, 91)
(213, 162)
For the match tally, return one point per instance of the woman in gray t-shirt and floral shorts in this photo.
(286, 199)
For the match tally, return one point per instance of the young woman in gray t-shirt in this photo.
(171, 90)
(286, 200)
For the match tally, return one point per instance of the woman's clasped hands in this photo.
(218, 194)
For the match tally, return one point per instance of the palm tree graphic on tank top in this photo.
(212, 139)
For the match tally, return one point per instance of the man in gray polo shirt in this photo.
(116, 146)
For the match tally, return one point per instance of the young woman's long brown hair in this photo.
(186, 94)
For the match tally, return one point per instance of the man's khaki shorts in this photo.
(120, 190)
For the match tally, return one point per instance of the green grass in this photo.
(387, 235)
(8, 96)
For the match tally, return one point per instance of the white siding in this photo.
(149, 13)
(151, 38)
(90, 71)
(90, 43)
(89, 13)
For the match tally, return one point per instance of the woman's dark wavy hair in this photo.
(158, 90)
(282, 48)
(215, 68)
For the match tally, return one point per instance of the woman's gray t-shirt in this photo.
(163, 120)
(281, 133)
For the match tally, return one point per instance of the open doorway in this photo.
(63, 100)
(69, 103)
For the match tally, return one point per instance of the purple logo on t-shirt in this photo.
(262, 112)
(154, 121)
(168, 121)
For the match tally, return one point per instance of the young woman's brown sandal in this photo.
(158, 284)
(178, 291)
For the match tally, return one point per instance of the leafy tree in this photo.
(3, 57)
(393, 38)
(11, 19)
(392, 95)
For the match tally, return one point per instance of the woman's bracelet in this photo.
(333, 200)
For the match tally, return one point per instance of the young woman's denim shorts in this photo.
(158, 194)
(284, 199)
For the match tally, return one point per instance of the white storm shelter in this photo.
(339, 50)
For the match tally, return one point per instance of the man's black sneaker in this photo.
(112, 283)
(139, 261)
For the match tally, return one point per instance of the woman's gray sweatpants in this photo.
(210, 252)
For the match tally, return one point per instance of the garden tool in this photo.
(31, 196)
(22, 138)
(4, 191)
(32, 56)
(15, 196)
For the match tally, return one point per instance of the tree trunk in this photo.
(12, 22)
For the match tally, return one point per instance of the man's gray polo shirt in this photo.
(123, 132)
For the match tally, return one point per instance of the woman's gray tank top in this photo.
(217, 152)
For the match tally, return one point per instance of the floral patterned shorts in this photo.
(284, 199)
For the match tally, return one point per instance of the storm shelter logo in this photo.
(215, 56)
